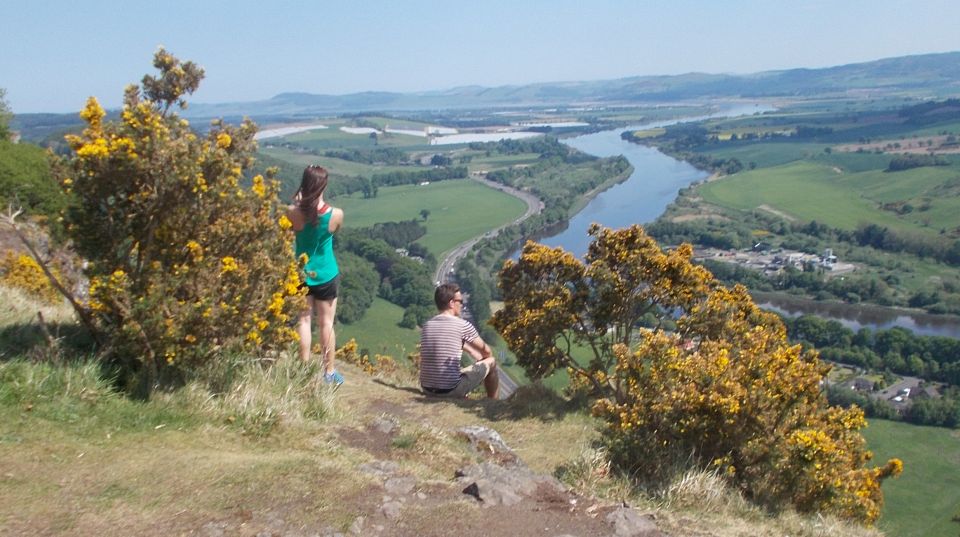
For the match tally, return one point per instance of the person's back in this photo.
(443, 339)
(314, 223)
(441, 347)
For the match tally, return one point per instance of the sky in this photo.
(56, 53)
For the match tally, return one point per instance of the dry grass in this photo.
(18, 307)
(275, 443)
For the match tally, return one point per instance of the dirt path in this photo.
(777, 212)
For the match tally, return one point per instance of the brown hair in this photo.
(444, 294)
(312, 185)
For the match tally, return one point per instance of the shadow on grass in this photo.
(47, 342)
(530, 401)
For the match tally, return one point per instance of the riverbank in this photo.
(589, 196)
(857, 316)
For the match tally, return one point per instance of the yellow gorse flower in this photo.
(227, 265)
(224, 140)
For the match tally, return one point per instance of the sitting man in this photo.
(443, 339)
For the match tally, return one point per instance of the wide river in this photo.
(655, 181)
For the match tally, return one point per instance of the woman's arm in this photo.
(336, 220)
(295, 217)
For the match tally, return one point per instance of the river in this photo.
(654, 184)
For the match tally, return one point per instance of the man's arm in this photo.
(478, 349)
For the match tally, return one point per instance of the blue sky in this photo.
(56, 53)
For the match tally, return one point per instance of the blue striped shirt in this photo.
(441, 346)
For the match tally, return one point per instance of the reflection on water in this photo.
(860, 316)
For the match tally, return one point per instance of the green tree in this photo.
(26, 180)
(5, 116)
(185, 261)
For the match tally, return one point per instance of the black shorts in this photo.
(325, 291)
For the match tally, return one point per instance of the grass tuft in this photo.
(266, 394)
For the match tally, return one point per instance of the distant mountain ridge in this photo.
(926, 76)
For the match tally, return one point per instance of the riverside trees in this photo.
(724, 387)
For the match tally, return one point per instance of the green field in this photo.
(334, 138)
(378, 331)
(459, 210)
(818, 191)
(921, 502)
(494, 162)
(335, 166)
(765, 155)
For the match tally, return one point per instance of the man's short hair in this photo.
(444, 294)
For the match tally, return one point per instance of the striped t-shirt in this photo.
(441, 346)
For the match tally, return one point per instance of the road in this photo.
(449, 261)
(445, 269)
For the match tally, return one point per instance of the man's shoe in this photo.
(335, 378)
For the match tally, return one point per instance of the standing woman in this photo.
(315, 222)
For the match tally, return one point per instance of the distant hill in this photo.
(921, 76)
(925, 76)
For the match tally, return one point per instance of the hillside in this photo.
(920, 76)
(376, 459)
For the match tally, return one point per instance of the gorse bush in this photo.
(185, 260)
(23, 272)
(724, 390)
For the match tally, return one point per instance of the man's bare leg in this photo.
(492, 381)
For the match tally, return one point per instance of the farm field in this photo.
(334, 138)
(459, 210)
(817, 191)
(921, 502)
(335, 166)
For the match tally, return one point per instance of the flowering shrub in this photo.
(380, 364)
(724, 387)
(185, 259)
(23, 272)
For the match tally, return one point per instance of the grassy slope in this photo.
(378, 331)
(79, 460)
(334, 165)
(921, 502)
(818, 191)
(459, 210)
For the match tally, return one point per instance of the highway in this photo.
(446, 267)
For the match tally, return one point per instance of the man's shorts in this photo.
(326, 291)
(470, 378)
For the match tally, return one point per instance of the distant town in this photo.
(771, 262)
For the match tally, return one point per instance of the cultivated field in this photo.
(459, 209)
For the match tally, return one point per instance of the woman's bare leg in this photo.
(326, 311)
(305, 329)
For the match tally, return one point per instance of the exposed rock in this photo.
(213, 529)
(498, 485)
(382, 469)
(391, 510)
(488, 443)
(400, 485)
(358, 524)
(386, 424)
(627, 522)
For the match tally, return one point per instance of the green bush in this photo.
(184, 261)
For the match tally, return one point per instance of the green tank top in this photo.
(317, 242)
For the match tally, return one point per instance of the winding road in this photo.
(445, 269)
